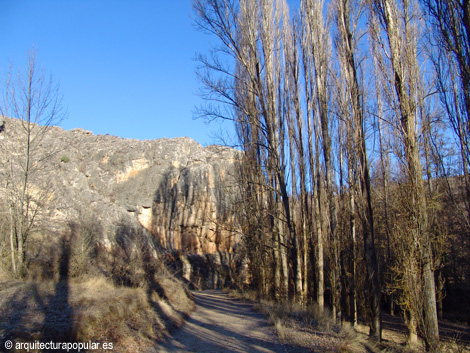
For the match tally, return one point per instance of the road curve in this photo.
(222, 324)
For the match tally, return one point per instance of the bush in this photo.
(94, 309)
(5, 252)
(65, 159)
(83, 238)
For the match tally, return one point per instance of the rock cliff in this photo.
(178, 190)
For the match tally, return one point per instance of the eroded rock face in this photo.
(175, 188)
(182, 195)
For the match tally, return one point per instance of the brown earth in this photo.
(223, 324)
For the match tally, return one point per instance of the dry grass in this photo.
(248, 295)
(122, 315)
(80, 291)
(92, 309)
(454, 346)
(397, 342)
(310, 328)
(281, 330)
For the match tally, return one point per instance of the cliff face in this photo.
(176, 189)
(179, 191)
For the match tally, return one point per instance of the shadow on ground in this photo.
(18, 322)
(222, 324)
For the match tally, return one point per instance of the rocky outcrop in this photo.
(176, 189)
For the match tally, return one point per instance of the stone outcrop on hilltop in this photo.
(178, 190)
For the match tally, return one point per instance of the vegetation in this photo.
(64, 159)
(91, 309)
(352, 116)
(353, 192)
(308, 327)
(36, 101)
(77, 292)
(70, 280)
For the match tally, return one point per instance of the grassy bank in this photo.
(309, 328)
(92, 309)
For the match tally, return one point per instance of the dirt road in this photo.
(221, 324)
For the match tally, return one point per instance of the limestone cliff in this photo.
(177, 189)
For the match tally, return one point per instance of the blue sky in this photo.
(125, 68)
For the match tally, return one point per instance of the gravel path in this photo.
(222, 324)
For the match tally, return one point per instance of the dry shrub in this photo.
(136, 315)
(120, 315)
(175, 292)
(354, 342)
(92, 309)
(249, 295)
(83, 238)
(309, 327)
(280, 328)
(5, 255)
(454, 345)
(310, 315)
(43, 256)
(82, 291)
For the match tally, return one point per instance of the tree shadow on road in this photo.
(221, 325)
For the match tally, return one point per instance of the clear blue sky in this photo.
(125, 67)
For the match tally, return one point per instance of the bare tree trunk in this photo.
(319, 47)
(293, 70)
(284, 262)
(347, 55)
(318, 223)
(405, 77)
(37, 104)
(277, 251)
(297, 259)
(384, 167)
(313, 152)
(412, 329)
(352, 225)
(12, 242)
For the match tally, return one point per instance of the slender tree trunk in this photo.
(277, 267)
(412, 329)
(384, 166)
(284, 263)
(320, 267)
(405, 77)
(314, 159)
(297, 259)
(13, 244)
(352, 225)
(317, 198)
(354, 92)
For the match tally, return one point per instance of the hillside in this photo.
(173, 190)
(113, 221)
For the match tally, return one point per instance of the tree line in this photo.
(353, 116)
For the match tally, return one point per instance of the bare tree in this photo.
(401, 33)
(450, 32)
(36, 102)
(250, 33)
(316, 54)
(347, 50)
